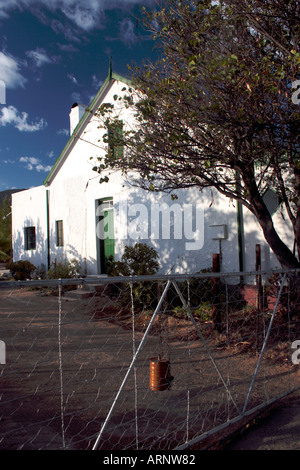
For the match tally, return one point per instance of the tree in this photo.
(216, 109)
(5, 229)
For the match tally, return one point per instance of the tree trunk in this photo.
(297, 222)
(284, 255)
(297, 232)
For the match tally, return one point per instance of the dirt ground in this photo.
(65, 364)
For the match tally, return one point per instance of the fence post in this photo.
(154, 315)
(264, 343)
(216, 291)
(60, 364)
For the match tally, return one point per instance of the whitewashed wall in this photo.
(72, 196)
(29, 209)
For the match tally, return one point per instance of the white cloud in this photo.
(83, 14)
(70, 33)
(89, 14)
(96, 82)
(63, 132)
(33, 163)
(76, 97)
(86, 14)
(29, 160)
(73, 78)
(39, 57)
(67, 48)
(10, 72)
(127, 33)
(11, 116)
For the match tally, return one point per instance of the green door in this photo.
(109, 240)
(105, 233)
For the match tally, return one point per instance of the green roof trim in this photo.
(90, 109)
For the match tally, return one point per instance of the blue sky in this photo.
(54, 53)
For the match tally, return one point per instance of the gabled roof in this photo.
(90, 110)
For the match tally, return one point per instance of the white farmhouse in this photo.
(73, 216)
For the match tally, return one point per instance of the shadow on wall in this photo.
(36, 256)
(173, 255)
(39, 255)
(216, 211)
(189, 241)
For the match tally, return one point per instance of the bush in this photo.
(40, 272)
(137, 260)
(196, 291)
(204, 312)
(3, 256)
(21, 270)
(64, 269)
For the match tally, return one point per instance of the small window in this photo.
(59, 233)
(106, 204)
(271, 200)
(30, 238)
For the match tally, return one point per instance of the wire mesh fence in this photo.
(152, 363)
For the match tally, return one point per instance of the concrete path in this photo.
(279, 431)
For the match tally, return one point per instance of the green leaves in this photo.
(5, 229)
(104, 179)
(105, 109)
(217, 103)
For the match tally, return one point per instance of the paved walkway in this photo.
(279, 431)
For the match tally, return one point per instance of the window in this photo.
(115, 139)
(59, 233)
(106, 204)
(30, 238)
(271, 200)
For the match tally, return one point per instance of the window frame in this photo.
(59, 233)
(30, 238)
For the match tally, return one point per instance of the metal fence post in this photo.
(264, 344)
(132, 364)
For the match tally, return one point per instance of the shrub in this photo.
(3, 256)
(21, 270)
(196, 291)
(137, 260)
(204, 312)
(64, 269)
(40, 272)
